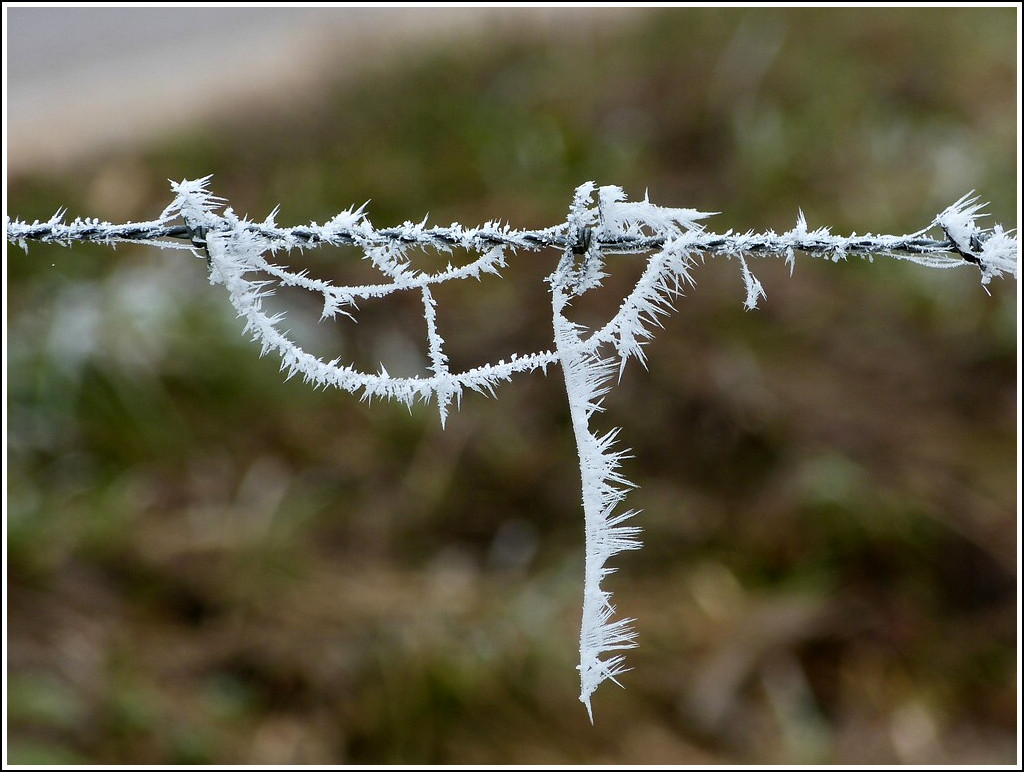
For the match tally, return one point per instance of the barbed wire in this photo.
(55, 231)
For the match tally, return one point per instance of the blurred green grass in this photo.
(208, 564)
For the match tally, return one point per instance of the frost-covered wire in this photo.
(237, 250)
(588, 375)
(351, 228)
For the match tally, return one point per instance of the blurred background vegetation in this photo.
(209, 564)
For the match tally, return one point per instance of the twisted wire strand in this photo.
(157, 234)
(992, 251)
